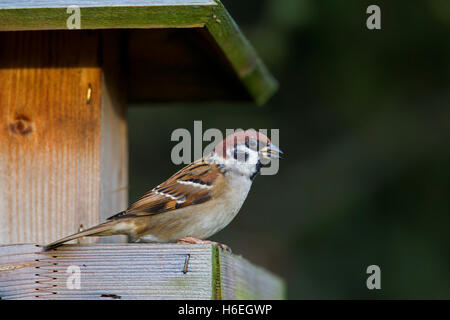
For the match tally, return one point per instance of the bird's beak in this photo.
(271, 151)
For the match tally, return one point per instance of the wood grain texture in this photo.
(114, 135)
(161, 14)
(240, 279)
(49, 135)
(109, 17)
(99, 3)
(132, 271)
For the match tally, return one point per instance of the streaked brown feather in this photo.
(200, 182)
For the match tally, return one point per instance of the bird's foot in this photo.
(193, 240)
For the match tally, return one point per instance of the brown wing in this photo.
(194, 184)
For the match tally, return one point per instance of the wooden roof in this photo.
(200, 54)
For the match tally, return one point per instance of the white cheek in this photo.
(241, 166)
(253, 157)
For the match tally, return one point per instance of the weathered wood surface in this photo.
(9, 4)
(161, 14)
(53, 15)
(133, 271)
(49, 135)
(114, 135)
(242, 280)
(63, 134)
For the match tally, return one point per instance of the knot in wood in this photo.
(22, 125)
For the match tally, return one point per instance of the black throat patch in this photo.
(258, 169)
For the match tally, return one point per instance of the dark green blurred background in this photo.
(364, 119)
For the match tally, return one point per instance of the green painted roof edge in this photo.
(254, 75)
(246, 62)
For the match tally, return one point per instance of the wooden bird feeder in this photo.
(63, 140)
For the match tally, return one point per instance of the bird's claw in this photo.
(193, 240)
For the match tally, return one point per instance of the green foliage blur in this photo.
(364, 119)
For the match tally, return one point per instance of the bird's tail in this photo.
(104, 229)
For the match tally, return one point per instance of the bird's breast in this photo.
(217, 214)
(201, 220)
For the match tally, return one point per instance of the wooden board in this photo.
(239, 279)
(210, 15)
(49, 135)
(133, 271)
(63, 136)
(114, 135)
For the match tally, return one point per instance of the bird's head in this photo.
(244, 152)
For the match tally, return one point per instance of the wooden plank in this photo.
(17, 271)
(100, 3)
(108, 17)
(126, 271)
(132, 271)
(240, 279)
(49, 135)
(248, 67)
(114, 136)
(246, 63)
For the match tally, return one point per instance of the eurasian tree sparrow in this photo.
(197, 201)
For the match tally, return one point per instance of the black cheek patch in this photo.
(237, 154)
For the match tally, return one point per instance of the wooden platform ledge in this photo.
(132, 271)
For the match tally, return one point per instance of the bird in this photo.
(197, 201)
